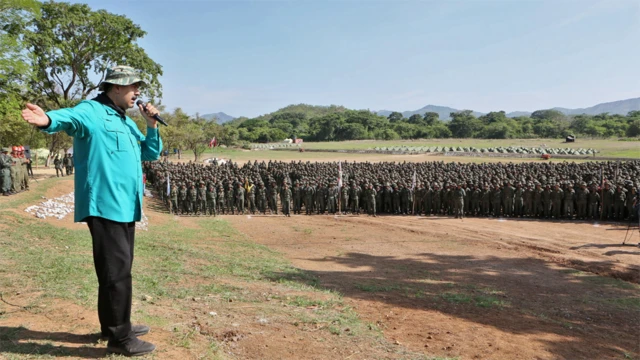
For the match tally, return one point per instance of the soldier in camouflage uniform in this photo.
(496, 201)
(5, 172)
(286, 200)
(476, 197)
(486, 200)
(458, 201)
(568, 200)
(619, 202)
(261, 198)
(437, 199)
(230, 196)
(221, 200)
(182, 199)
(547, 201)
(594, 203)
(240, 199)
(556, 201)
(201, 199)
(354, 198)
(582, 197)
(518, 201)
(211, 196)
(388, 199)
(607, 202)
(344, 198)
(508, 193)
(371, 200)
(173, 208)
(297, 198)
(192, 198)
(309, 197)
(273, 198)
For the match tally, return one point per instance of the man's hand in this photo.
(148, 111)
(34, 115)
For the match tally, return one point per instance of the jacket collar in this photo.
(103, 99)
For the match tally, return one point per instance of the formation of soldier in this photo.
(564, 190)
(14, 171)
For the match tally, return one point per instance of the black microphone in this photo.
(156, 116)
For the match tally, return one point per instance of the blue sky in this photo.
(253, 57)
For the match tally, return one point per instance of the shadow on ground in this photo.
(20, 340)
(518, 296)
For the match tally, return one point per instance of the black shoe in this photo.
(135, 347)
(138, 330)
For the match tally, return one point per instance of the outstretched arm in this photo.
(74, 121)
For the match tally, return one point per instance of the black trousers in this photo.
(113, 257)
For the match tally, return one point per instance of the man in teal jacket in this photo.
(108, 150)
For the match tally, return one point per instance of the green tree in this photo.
(463, 124)
(173, 136)
(327, 127)
(406, 130)
(395, 117)
(229, 135)
(634, 129)
(197, 135)
(72, 47)
(416, 119)
(352, 131)
(431, 118)
(385, 134)
(549, 114)
(244, 134)
(494, 117)
(14, 72)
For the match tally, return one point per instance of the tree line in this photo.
(336, 123)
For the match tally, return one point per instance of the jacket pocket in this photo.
(115, 136)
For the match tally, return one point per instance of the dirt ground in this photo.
(467, 289)
(411, 275)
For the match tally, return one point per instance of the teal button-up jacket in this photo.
(108, 149)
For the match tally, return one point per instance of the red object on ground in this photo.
(546, 156)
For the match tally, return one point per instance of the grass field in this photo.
(608, 147)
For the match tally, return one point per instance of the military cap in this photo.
(121, 75)
(5, 149)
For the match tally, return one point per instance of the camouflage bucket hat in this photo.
(121, 75)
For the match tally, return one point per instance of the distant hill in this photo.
(220, 117)
(621, 107)
(616, 107)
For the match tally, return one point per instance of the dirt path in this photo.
(476, 288)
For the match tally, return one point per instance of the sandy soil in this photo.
(413, 275)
